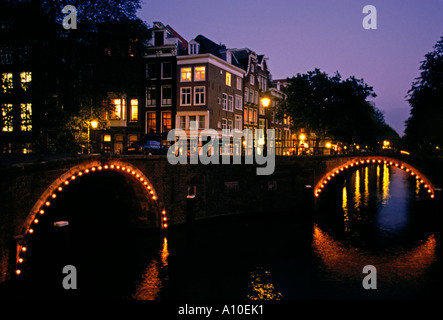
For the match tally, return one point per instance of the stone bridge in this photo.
(168, 195)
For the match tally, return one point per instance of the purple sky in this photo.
(300, 35)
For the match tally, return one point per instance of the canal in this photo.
(375, 215)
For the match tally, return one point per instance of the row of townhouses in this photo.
(190, 85)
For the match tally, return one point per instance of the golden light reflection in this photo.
(385, 184)
(345, 209)
(366, 184)
(151, 284)
(344, 262)
(261, 286)
(357, 194)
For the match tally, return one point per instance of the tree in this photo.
(335, 108)
(424, 127)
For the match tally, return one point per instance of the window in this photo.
(7, 117)
(251, 96)
(228, 79)
(166, 95)
(5, 55)
(151, 123)
(119, 106)
(251, 116)
(193, 48)
(134, 109)
(239, 83)
(186, 74)
(166, 70)
(245, 114)
(230, 126)
(151, 96)
(166, 121)
(192, 122)
(200, 74)
(246, 95)
(25, 80)
(256, 97)
(238, 123)
(261, 108)
(238, 102)
(185, 96)
(255, 116)
(7, 84)
(224, 127)
(201, 122)
(182, 122)
(199, 95)
(251, 79)
(231, 103)
(151, 73)
(25, 115)
(225, 101)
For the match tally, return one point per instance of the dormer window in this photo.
(193, 48)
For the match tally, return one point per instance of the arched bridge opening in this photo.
(146, 197)
(350, 164)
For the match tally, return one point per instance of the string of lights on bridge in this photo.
(321, 184)
(23, 248)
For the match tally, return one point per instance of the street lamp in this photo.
(94, 125)
(265, 101)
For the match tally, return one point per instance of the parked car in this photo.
(134, 148)
(155, 147)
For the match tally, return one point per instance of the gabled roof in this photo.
(209, 46)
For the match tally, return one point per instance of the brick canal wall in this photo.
(219, 190)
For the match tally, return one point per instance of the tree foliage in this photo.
(424, 126)
(332, 107)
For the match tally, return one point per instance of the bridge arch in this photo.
(324, 179)
(77, 172)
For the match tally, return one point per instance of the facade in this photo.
(210, 90)
(160, 103)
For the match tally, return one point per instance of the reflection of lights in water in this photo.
(151, 284)
(344, 262)
(357, 194)
(345, 209)
(366, 183)
(261, 286)
(385, 184)
(378, 179)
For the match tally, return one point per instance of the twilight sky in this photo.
(300, 35)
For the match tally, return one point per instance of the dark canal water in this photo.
(373, 216)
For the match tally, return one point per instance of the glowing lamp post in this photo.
(92, 124)
(265, 101)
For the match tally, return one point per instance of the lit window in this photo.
(151, 124)
(199, 95)
(25, 80)
(228, 79)
(134, 109)
(186, 74)
(7, 82)
(251, 116)
(166, 95)
(7, 117)
(185, 99)
(119, 106)
(245, 114)
(200, 74)
(107, 138)
(166, 121)
(25, 115)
